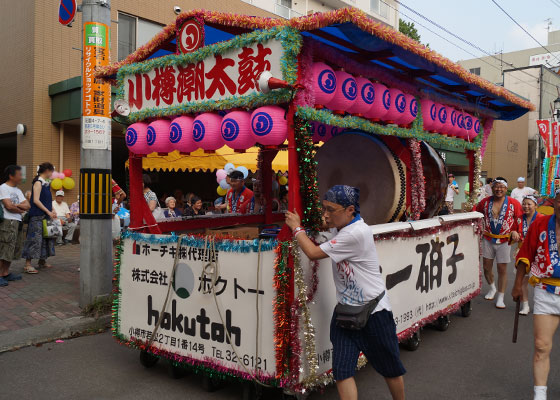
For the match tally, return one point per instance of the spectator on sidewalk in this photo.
(75, 211)
(452, 190)
(13, 205)
(521, 190)
(36, 246)
(65, 217)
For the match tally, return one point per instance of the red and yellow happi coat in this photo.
(510, 219)
(540, 253)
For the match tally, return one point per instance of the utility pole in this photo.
(96, 252)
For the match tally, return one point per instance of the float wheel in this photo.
(211, 384)
(413, 342)
(175, 371)
(251, 391)
(148, 360)
(466, 309)
(442, 323)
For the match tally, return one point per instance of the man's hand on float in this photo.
(515, 236)
(292, 219)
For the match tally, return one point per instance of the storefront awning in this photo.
(201, 161)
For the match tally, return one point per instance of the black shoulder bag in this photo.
(355, 317)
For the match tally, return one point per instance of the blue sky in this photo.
(483, 24)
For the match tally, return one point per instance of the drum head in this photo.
(367, 163)
(436, 180)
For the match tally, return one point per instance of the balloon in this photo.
(221, 191)
(61, 176)
(244, 170)
(220, 174)
(229, 167)
(67, 172)
(54, 175)
(224, 185)
(282, 180)
(68, 183)
(56, 183)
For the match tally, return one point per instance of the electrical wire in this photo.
(555, 3)
(524, 30)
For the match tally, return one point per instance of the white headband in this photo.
(531, 197)
(499, 181)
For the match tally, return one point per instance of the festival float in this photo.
(345, 100)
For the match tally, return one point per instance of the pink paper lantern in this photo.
(429, 114)
(157, 137)
(207, 131)
(452, 117)
(447, 127)
(345, 94)
(441, 118)
(469, 125)
(136, 138)
(319, 132)
(324, 83)
(476, 129)
(236, 130)
(381, 103)
(365, 97)
(269, 126)
(461, 131)
(181, 134)
(397, 107)
(410, 112)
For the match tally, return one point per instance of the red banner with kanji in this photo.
(555, 139)
(544, 131)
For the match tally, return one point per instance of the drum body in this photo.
(436, 181)
(367, 163)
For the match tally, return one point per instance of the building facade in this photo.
(40, 74)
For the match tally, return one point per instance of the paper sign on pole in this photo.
(96, 95)
(544, 131)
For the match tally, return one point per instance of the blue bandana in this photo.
(344, 195)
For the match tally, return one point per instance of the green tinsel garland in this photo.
(312, 218)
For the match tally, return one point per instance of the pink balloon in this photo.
(345, 94)
(180, 135)
(236, 130)
(220, 174)
(365, 97)
(381, 102)
(269, 126)
(207, 132)
(158, 136)
(61, 175)
(324, 83)
(397, 107)
(136, 138)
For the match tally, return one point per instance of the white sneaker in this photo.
(524, 308)
(540, 393)
(491, 293)
(500, 301)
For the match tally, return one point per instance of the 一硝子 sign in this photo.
(192, 325)
(216, 77)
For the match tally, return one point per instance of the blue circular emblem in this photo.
(413, 108)
(334, 131)
(327, 81)
(442, 115)
(453, 117)
(542, 236)
(261, 124)
(175, 133)
(400, 103)
(460, 121)
(468, 122)
(368, 93)
(477, 126)
(151, 136)
(387, 99)
(131, 137)
(321, 130)
(350, 89)
(230, 129)
(198, 131)
(433, 112)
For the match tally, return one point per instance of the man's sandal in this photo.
(30, 270)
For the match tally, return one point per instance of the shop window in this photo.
(475, 71)
(126, 35)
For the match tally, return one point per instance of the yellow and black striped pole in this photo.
(95, 193)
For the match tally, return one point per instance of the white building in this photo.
(385, 11)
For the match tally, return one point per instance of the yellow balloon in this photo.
(68, 183)
(56, 184)
(283, 180)
(221, 191)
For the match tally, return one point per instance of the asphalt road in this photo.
(474, 359)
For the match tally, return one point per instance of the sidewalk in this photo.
(40, 305)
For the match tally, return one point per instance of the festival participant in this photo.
(452, 190)
(118, 193)
(359, 284)
(172, 211)
(239, 197)
(539, 257)
(13, 204)
(521, 190)
(196, 208)
(502, 216)
(530, 214)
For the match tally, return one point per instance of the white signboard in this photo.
(548, 59)
(217, 77)
(192, 325)
(96, 133)
(424, 274)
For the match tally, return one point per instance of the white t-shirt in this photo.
(355, 266)
(518, 194)
(60, 209)
(15, 195)
(450, 192)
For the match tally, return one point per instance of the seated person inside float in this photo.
(239, 198)
(172, 210)
(196, 208)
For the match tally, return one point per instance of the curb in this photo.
(50, 331)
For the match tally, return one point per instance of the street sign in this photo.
(66, 11)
